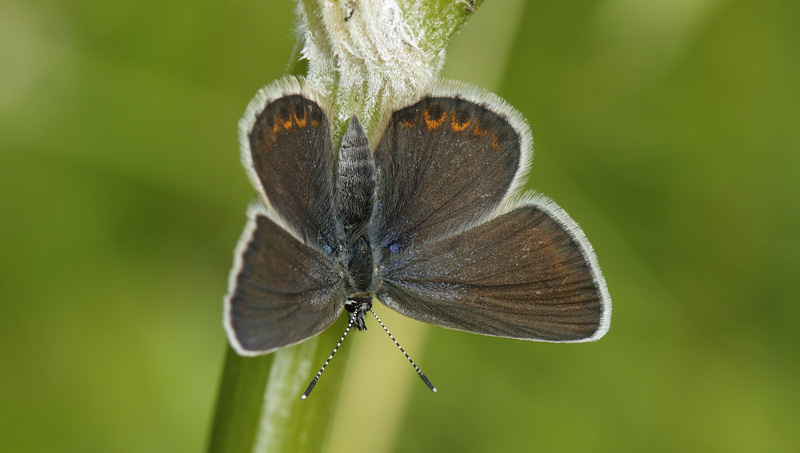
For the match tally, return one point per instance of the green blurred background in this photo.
(668, 129)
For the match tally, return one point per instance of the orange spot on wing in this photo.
(478, 132)
(408, 123)
(432, 123)
(275, 127)
(286, 123)
(314, 123)
(495, 145)
(456, 126)
(301, 122)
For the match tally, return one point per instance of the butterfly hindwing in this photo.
(527, 274)
(281, 291)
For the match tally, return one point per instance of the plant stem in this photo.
(259, 406)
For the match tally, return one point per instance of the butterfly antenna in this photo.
(316, 378)
(416, 368)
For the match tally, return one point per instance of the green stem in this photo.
(238, 407)
(259, 406)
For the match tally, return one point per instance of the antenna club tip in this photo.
(303, 397)
(434, 390)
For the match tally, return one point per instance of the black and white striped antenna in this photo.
(339, 344)
(416, 368)
(330, 357)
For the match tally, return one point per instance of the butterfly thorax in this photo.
(359, 280)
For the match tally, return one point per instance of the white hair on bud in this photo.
(372, 50)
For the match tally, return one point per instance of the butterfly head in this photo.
(356, 305)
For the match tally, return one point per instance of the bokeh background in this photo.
(668, 129)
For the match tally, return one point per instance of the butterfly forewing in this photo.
(443, 163)
(290, 149)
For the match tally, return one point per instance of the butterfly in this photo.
(431, 223)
